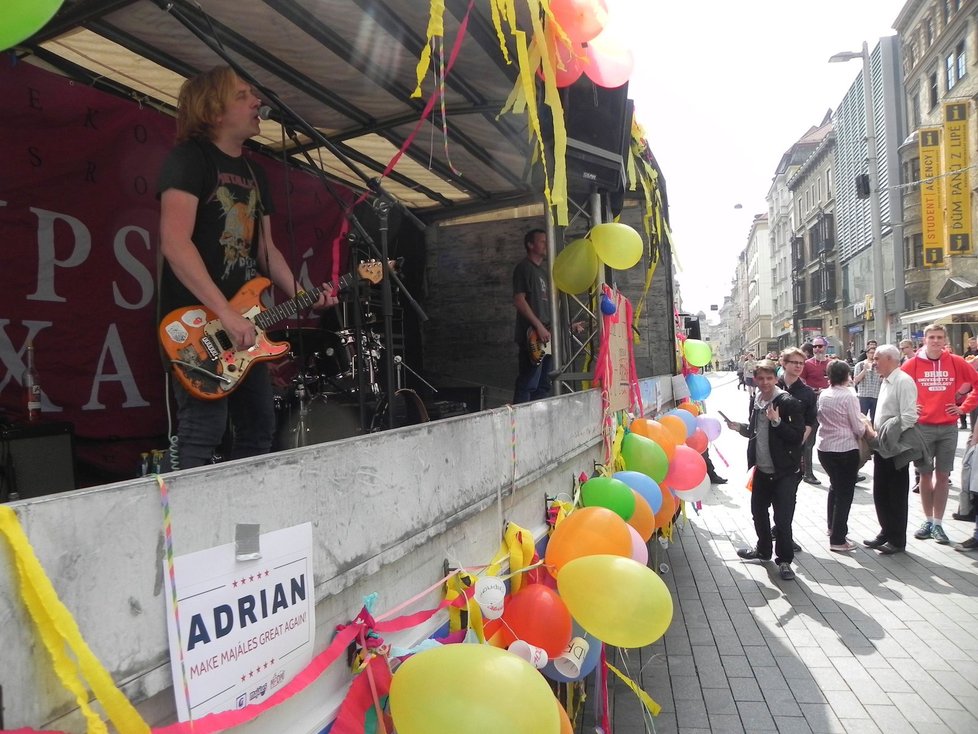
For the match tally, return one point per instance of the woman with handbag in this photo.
(842, 425)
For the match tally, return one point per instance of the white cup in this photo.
(535, 656)
(490, 591)
(569, 662)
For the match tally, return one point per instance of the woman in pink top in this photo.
(838, 449)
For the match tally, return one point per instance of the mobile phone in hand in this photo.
(724, 417)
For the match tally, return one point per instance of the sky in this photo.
(723, 88)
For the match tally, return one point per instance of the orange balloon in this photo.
(643, 520)
(588, 531)
(664, 516)
(539, 616)
(566, 727)
(674, 424)
(657, 432)
(691, 407)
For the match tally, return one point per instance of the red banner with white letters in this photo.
(79, 222)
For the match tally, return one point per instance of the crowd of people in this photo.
(896, 404)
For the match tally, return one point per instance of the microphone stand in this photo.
(296, 121)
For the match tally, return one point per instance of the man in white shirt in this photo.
(891, 484)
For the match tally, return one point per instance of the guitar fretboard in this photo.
(289, 308)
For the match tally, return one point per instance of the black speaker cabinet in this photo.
(36, 459)
(599, 126)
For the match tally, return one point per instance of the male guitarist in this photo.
(215, 235)
(531, 297)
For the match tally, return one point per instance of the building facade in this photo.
(758, 288)
(940, 48)
(814, 271)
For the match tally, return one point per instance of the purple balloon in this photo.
(709, 425)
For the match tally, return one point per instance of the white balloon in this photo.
(700, 492)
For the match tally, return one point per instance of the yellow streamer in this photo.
(652, 707)
(59, 633)
(436, 29)
(520, 544)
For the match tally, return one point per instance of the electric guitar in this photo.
(201, 352)
(537, 348)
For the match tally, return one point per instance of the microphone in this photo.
(265, 112)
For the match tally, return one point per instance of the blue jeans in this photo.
(533, 380)
(867, 406)
(201, 424)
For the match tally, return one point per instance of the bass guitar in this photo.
(536, 347)
(202, 354)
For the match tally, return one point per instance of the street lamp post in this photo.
(875, 206)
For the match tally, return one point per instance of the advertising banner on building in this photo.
(957, 188)
(240, 629)
(931, 207)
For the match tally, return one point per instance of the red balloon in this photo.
(567, 63)
(537, 615)
(581, 20)
(686, 470)
(698, 441)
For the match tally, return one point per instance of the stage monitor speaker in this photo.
(599, 130)
(36, 460)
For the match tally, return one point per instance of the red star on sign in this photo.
(251, 578)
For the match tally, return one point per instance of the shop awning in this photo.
(939, 313)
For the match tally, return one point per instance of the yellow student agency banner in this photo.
(957, 188)
(931, 207)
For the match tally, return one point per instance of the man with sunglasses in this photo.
(814, 375)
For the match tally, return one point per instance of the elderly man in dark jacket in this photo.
(776, 430)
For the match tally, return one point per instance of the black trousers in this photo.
(779, 492)
(891, 493)
(842, 468)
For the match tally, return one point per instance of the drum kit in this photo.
(317, 387)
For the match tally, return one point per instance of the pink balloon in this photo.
(698, 441)
(581, 20)
(610, 61)
(686, 469)
(640, 551)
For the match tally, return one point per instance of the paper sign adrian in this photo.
(246, 627)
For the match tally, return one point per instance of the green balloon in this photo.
(21, 19)
(644, 455)
(610, 493)
(697, 353)
(576, 267)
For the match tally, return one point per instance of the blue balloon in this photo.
(588, 664)
(644, 485)
(699, 387)
(607, 305)
(687, 418)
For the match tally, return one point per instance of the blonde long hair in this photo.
(202, 100)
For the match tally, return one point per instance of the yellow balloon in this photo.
(617, 245)
(471, 689)
(618, 600)
(576, 267)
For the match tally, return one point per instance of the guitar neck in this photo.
(272, 316)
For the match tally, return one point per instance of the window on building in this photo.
(828, 183)
(945, 12)
(911, 174)
(934, 91)
(913, 251)
(914, 107)
(927, 31)
(962, 59)
(951, 71)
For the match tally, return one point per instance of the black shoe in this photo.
(874, 543)
(810, 479)
(717, 480)
(861, 478)
(751, 554)
(970, 517)
(888, 549)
